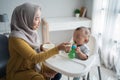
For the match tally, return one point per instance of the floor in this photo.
(106, 75)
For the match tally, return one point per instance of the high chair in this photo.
(93, 59)
(93, 45)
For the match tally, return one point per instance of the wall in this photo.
(50, 8)
(57, 37)
(89, 6)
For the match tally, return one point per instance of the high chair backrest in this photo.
(92, 44)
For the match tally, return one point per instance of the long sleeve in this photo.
(23, 49)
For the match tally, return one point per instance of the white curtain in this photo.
(106, 22)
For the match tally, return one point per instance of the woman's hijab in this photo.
(22, 23)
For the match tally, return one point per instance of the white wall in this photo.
(50, 8)
(89, 6)
(58, 8)
(61, 36)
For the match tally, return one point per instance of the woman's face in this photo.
(37, 20)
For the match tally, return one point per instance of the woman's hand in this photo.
(64, 46)
(41, 46)
(68, 48)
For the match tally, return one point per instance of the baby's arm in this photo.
(81, 55)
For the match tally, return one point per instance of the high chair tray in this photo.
(70, 67)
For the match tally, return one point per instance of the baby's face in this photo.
(79, 37)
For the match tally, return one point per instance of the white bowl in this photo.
(48, 46)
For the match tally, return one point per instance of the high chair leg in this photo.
(88, 76)
(99, 73)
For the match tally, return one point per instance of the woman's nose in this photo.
(40, 20)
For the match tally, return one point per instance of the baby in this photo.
(81, 37)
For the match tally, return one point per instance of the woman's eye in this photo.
(37, 18)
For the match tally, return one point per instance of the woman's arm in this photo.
(23, 49)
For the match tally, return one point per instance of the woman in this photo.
(24, 46)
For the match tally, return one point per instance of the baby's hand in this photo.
(78, 50)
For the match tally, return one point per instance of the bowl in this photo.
(48, 46)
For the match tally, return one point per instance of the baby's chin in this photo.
(79, 43)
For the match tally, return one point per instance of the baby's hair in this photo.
(87, 31)
(80, 28)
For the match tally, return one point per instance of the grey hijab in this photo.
(22, 22)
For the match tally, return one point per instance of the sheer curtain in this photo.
(106, 17)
